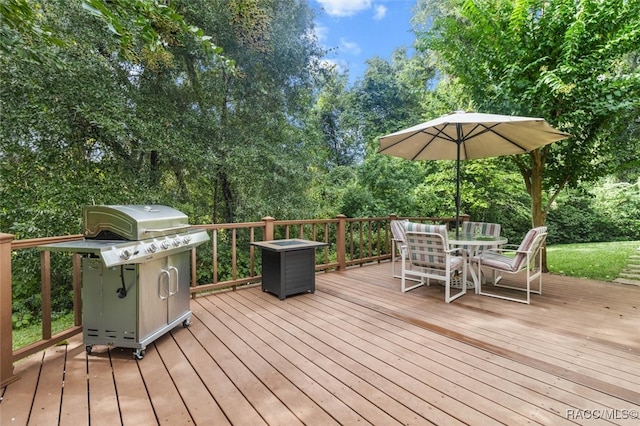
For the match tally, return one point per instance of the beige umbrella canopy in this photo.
(469, 135)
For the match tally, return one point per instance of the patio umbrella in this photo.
(469, 135)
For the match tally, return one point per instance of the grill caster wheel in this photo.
(88, 348)
(186, 323)
(139, 354)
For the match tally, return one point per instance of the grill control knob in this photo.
(152, 248)
(176, 242)
(186, 239)
(125, 254)
(165, 244)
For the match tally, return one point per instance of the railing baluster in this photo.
(77, 289)
(234, 256)
(252, 253)
(45, 276)
(215, 256)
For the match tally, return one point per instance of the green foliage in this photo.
(607, 212)
(152, 24)
(27, 282)
(21, 319)
(222, 144)
(23, 31)
(620, 201)
(574, 218)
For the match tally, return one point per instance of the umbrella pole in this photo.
(459, 131)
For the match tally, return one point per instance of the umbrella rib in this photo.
(439, 133)
(399, 141)
(504, 137)
(486, 128)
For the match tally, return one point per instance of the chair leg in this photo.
(528, 285)
(499, 296)
(404, 279)
(393, 258)
(448, 298)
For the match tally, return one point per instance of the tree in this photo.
(571, 62)
(386, 99)
(180, 128)
(257, 161)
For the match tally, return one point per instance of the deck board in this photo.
(135, 406)
(357, 351)
(168, 405)
(48, 394)
(74, 401)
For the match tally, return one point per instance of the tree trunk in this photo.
(534, 186)
(154, 169)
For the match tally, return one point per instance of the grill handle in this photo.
(170, 229)
(162, 290)
(176, 281)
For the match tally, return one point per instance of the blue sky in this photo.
(357, 30)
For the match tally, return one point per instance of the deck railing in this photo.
(227, 261)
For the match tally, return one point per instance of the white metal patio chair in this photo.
(398, 244)
(429, 257)
(483, 228)
(524, 257)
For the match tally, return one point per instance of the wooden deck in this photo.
(358, 351)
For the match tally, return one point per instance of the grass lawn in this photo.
(597, 261)
(33, 333)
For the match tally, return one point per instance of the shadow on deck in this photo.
(357, 351)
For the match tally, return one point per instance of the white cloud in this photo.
(336, 65)
(321, 32)
(344, 7)
(380, 12)
(350, 47)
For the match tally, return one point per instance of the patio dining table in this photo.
(474, 242)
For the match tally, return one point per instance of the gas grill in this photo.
(136, 273)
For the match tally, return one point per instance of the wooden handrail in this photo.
(350, 242)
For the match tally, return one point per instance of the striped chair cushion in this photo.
(429, 250)
(498, 261)
(487, 228)
(397, 229)
(511, 264)
(421, 227)
(525, 245)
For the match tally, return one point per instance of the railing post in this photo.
(6, 333)
(268, 227)
(341, 243)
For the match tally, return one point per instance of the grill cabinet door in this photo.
(164, 292)
(179, 267)
(152, 313)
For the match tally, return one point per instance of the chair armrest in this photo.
(453, 250)
(504, 248)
